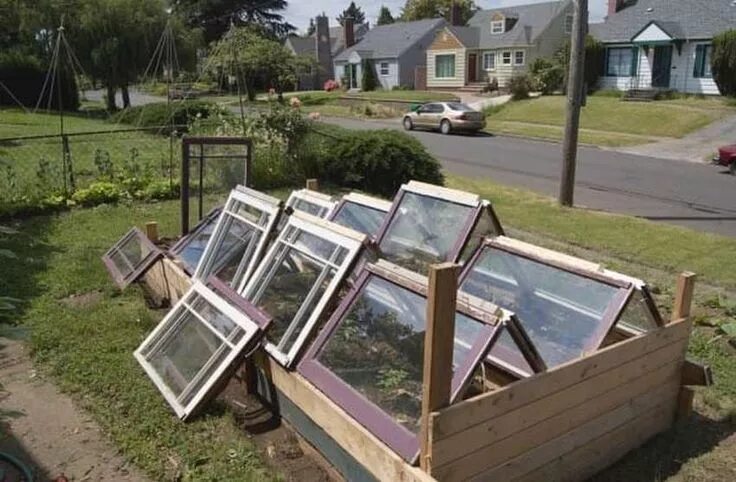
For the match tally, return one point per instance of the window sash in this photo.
(702, 67)
(497, 26)
(506, 58)
(444, 66)
(568, 23)
(384, 68)
(519, 57)
(489, 60)
(620, 62)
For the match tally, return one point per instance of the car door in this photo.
(438, 112)
(424, 114)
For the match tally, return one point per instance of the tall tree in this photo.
(312, 27)
(384, 16)
(214, 17)
(353, 11)
(421, 9)
(723, 62)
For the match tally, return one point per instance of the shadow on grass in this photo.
(665, 455)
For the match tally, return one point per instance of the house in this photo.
(497, 43)
(395, 51)
(662, 44)
(323, 46)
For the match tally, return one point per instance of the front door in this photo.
(472, 67)
(353, 76)
(661, 66)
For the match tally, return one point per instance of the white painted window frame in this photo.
(569, 19)
(510, 55)
(250, 197)
(454, 65)
(387, 69)
(490, 55)
(498, 27)
(368, 201)
(343, 237)
(170, 322)
(523, 58)
(325, 202)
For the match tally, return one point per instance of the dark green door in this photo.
(662, 66)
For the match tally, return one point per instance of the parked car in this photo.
(727, 157)
(445, 116)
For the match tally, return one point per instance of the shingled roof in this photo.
(307, 46)
(681, 19)
(390, 41)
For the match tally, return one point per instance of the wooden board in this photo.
(167, 281)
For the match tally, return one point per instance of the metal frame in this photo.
(159, 336)
(343, 237)
(186, 143)
(364, 201)
(176, 250)
(364, 411)
(137, 270)
(264, 203)
(324, 201)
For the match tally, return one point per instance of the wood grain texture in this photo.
(684, 295)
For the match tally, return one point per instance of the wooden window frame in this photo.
(120, 279)
(175, 252)
(361, 200)
(325, 202)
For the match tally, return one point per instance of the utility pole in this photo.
(575, 86)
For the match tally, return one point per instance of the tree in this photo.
(369, 81)
(353, 11)
(384, 16)
(214, 17)
(421, 9)
(312, 27)
(594, 56)
(723, 62)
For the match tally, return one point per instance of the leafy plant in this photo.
(547, 75)
(520, 86)
(369, 81)
(98, 193)
(723, 62)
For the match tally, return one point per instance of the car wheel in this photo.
(732, 167)
(408, 124)
(445, 127)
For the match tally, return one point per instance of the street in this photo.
(697, 196)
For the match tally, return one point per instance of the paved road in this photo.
(698, 196)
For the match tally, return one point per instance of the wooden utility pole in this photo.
(575, 86)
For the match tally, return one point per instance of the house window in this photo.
(506, 58)
(444, 66)
(621, 62)
(519, 57)
(384, 68)
(702, 68)
(568, 24)
(497, 26)
(489, 60)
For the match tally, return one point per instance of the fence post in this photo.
(312, 184)
(68, 166)
(683, 295)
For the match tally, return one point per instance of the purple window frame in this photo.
(153, 255)
(256, 315)
(176, 250)
(610, 315)
(364, 411)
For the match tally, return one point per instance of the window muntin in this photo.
(489, 60)
(384, 68)
(619, 62)
(361, 213)
(190, 248)
(296, 279)
(240, 237)
(130, 257)
(568, 23)
(519, 57)
(498, 26)
(506, 58)
(190, 350)
(702, 67)
(444, 66)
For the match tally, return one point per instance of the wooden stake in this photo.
(684, 295)
(313, 184)
(152, 231)
(439, 340)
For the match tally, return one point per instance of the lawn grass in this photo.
(554, 133)
(406, 95)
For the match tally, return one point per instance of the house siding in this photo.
(460, 63)
(392, 79)
(416, 56)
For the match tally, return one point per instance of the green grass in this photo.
(554, 133)
(606, 117)
(406, 95)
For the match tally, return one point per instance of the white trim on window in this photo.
(519, 60)
(323, 202)
(506, 57)
(384, 69)
(568, 23)
(489, 60)
(498, 26)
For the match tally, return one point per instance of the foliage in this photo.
(594, 56)
(379, 161)
(161, 114)
(520, 86)
(547, 75)
(354, 12)
(331, 85)
(723, 62)
(369, 81)
(421, 9)
(24, 74)
(98, 193)
(384, 16)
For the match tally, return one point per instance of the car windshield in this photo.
(458, 106)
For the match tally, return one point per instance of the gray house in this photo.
(662, 44)
(395, 50)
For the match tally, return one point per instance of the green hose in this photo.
(20, 466)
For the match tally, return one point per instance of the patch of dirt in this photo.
(85, 300)
(41, 426)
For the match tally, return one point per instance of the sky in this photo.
(299, 12)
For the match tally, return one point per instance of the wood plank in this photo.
(585, 400)
(661, 398)
(439, 344)
(373, 454)
(167, 281)
(473, 411)
(697, 374)
(312, 185)
(685, 402)
(152, 231)
(684, 295)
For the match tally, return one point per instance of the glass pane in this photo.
(561, 311)
(252, 214)
(298, 324)
(378, 348)
(318, 247)
(361, 218)
(423, 231)
(217, 320)
(122, 263)
(192, 251)
(636, 315)
(309, 207)
(235, 251)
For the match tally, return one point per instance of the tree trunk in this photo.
(110, 97)
(126, 96)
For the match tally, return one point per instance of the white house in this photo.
(662, 44)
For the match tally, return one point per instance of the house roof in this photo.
(532, 21)
(306, 45)
(681, 19)
(390, 41)
(467, 36)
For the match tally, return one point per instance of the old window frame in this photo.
(498, 26)
(626, 286)
(250, 197)
(336, 234)
(323, 201)
(364, 201)
(123, 280)
(376, 420)
(181, 245)
(251, 321)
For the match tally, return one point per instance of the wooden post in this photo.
(313, 184)
(684, 295)
(152, 231)
(439, 340)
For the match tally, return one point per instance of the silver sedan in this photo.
(445, 116)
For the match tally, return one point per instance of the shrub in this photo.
(491, 85)
(594, 55)
(331, 85)
(547, 75)
(161, 189)
(369, 81)
(379, 161)
(24, 76)
(98, 193)
(723, 62)
(520, 86)
(161, 114)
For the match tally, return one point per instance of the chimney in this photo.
(348, 32)
(615, 6)
(323, 47)
(455, 16)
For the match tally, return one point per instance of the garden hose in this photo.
(17, 464)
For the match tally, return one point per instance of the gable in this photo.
(652, 33)
(444, 40)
